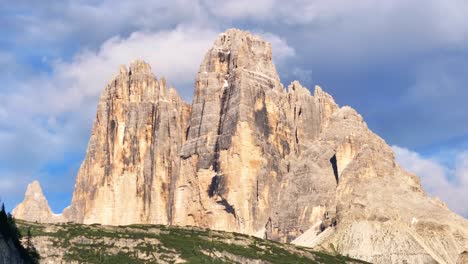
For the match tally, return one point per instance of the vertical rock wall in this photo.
(133, 152)
(242, 165)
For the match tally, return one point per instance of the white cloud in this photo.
(94, 21)
(400, 24)
(351, 34)
(444, 20)
(175, 54)
(304, 75)
(339, 33)
(449, 184)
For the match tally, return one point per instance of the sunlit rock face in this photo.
(243, 165)
(35, 206)
(252, 156)
(226, 172)
(133, 153)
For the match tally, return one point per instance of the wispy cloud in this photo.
(449, 184)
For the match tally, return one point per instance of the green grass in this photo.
(156, 243)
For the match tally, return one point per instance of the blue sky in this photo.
(402, 64)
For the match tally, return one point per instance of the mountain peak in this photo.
(236, 50)
(140, 67)
(35, 206)
(34, 189)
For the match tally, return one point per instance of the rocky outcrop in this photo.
(35, 206)
(253, 157)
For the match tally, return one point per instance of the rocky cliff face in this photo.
(133, 153)
(226, 169)
(251, 156)
(242, 165)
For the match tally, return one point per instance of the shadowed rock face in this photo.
(251, 156)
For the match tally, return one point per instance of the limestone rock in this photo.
(225, 171)
(247, 160)
(35, 206)
(133, 153)
(463, 257)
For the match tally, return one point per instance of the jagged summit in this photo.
(250, 156)
(236, 49)
(136, 67)
(35, 206)
(137, 83)
(296, 87)
(140, 67)
(34, 189)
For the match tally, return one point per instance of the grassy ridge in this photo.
(163, 244)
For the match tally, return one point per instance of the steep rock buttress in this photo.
(133, 153)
